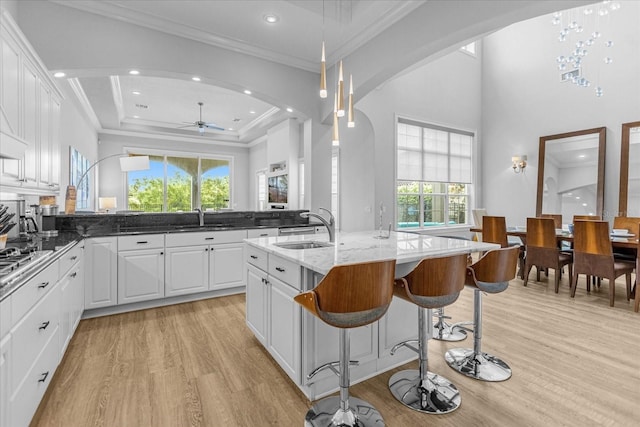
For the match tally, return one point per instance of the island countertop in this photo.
(356, 247)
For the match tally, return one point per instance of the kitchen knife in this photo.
(3, 209)
(6, 217)
(7, 227)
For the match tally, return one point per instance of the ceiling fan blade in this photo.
(213, 126)
(185, 126)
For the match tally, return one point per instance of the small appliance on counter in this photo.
(16, 210)
(46, 219)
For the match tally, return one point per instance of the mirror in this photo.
(629, 201)
(571, 173)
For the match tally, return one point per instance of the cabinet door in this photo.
(45, 136)
(10, 83)
(226, 266)
(187, 270)
(65, 313)
(257, 287)
(30, 108)
(399, 324)
(72, 290)
(5, 389)
(284, 328)
(54, 178)
(140, 275)
(101, 272)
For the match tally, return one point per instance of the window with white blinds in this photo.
(433, 175)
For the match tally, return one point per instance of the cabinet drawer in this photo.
(285, 270)
(31, 292)
(144, 241)
(70, 258)
(30, 335)
(205, 237)
(256, 257)
(5, 316)
(262, 232)
(33, 385)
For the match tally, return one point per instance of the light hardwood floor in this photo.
(576, 362)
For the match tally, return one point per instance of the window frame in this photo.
(448, 195)
(184, 154)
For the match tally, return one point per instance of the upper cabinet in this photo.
(29, 116)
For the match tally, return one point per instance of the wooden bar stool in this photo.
(490, 274)
(434, 283)
(347, 297)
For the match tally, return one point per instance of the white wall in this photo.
(523, 99)
(112, 180)
(257, 161)
(445, 91)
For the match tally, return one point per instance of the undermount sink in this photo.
(309, 244)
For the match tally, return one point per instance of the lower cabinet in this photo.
(5, 386)
(101, 272)
(187, 270)
(140, 275)
(257, 294)
(72, 303)
(226, 264)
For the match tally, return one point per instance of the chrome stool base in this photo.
(480, 366)
(438, 397)
(327, 413)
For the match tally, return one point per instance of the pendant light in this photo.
(350, 116)
(335, 136)
(340, 104)
(323, 75)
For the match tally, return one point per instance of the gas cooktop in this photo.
(16, 261)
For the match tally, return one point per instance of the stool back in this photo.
(352, 295)
(541, 233)
(435, 282)
(492, 272)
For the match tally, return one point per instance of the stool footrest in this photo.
(331, 366)
(407, 344)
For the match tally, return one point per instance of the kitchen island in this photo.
(296, 340)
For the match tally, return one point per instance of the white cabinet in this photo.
(226, 263)
(72, 290)
(187, 270)
(101, 272)
(271, 313)
(29, 123)
(140, 268)
(5, 371)
(262, 232)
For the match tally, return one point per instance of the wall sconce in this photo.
(519, 163)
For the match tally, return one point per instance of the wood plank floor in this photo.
(576, 362)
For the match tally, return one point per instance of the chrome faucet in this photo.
(331, 224)
(200, 216)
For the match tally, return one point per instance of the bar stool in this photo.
(347, 297)
(490, 274)
(434, 283)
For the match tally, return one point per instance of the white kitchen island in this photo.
(298, 341)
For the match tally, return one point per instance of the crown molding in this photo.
(169, 137)
(77, 89)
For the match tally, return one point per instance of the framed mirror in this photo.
(629, 201)
(571, 173)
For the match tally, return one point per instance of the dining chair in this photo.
(629, 223)
(557, 219)
(543, 252)
(477, 220)
(494, 230)
(586, 218)
(593, 256)
(636, 304)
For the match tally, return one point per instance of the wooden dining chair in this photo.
(586, 218)
(629, 223)
(494, 230)
(543, 252)
(557, 219)
(593, 256)
(636, 304)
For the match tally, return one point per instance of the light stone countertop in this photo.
(350, 248)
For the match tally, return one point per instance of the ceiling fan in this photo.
(200, 124)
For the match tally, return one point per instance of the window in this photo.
(175, 184)
(301, 183)
(261, 186)
(433, 176)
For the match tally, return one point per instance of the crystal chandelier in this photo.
(581, 30)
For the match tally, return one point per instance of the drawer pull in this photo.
(253, 257)
(44, 325)
(73, 258)
(161, 253)
(74, 274)
(206, 249)
(280, 269)
(143, 242)
(44, 377)
(264, 234)
(209, 238)
(43, 285)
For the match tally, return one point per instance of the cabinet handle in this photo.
(280, 269)
(52, 185)
(209, 238)
(206, 249)
(74, 274)
(44, 325)
(44, 377)
(73, 258)
(43, 285)
(143, 242)
(264, 234)
(253, 257)
(161, 253)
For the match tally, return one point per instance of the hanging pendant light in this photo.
(350, 116)
(340, 92)
(335, 138)
(323, 75)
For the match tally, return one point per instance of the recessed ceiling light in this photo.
(136, 92)
(59, 74)
(230, 129)
(134, 72)
(136, 117)
(195, 79)
(247, 91)
(271, 18)
(582, 156)
(251, 112)
(290, 110)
